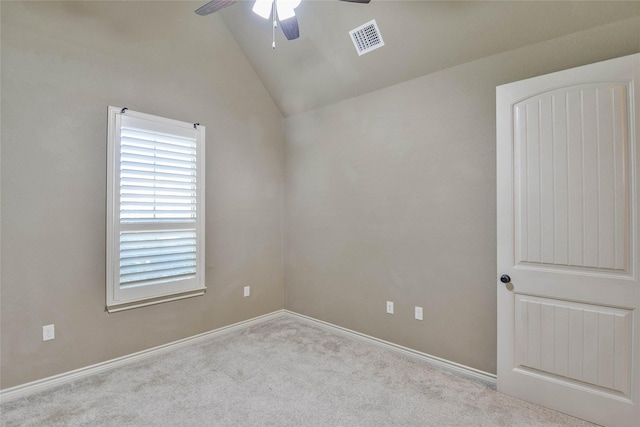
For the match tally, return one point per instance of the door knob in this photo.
(505, 278)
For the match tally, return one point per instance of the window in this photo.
(155, 209)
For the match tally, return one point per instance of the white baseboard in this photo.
(486, 378)
(27, 389)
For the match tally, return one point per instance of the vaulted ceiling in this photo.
(322, 66)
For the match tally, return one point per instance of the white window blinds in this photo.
(157, 208)
(149, 258)
(157, 177)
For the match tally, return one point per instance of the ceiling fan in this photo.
(282, 10)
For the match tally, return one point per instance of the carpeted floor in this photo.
(283, 372)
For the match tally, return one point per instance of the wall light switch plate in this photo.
(418, 313)
(247, 291)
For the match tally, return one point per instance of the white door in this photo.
(567, 210)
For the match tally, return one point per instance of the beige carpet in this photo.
(283, 372)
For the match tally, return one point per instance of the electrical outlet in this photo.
(247, 291)
(418, 313)
(390, 307)
(48, 332)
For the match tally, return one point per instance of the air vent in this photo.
(366, 37)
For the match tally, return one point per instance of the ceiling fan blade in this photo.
(290, 28)
(214, 6)
(357, 1)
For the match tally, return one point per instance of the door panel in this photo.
(586, 343)
(567, 213)
(572, 201)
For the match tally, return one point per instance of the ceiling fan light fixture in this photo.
(283, 11)
(263, 8)
(286, 8)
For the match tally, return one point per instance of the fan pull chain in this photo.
(275, 25)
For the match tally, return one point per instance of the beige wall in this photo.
(62, 65)
(391, 196)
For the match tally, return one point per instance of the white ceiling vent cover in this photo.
(366, 37)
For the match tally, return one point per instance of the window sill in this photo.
(135, 304)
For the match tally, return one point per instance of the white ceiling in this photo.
(421, 37)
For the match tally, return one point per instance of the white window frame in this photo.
(122, 297)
